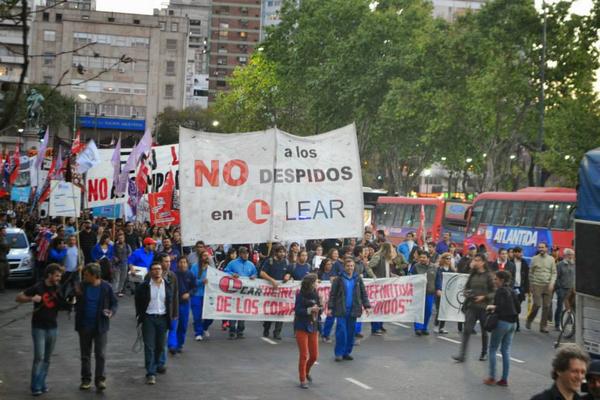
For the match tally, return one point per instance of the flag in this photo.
(421, 231)
(88, 158)
(116, 163)
(14, 174)
(141, 179)
(4, 176)
(142, 148)
(42, 153)
(134, 196)
(169, 185)
(77, 146)
(45, 192)
(60, 165)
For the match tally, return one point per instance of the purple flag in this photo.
(42, 153)
(116, 163)
(143, 147)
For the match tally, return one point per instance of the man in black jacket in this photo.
(347, 298)
(154, 309)
(521, 276)
(96, 304)
(87, 241)
(502, 263)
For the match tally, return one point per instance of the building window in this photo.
(162, 25)
(49, 58)
(196, 22)
(46, 17)
(174, 27)
(111, 19)
(221, 84)
(222, 61)
(243, 35)
(85, 17)
(171, 12)
(223, 30)
(47, 79)
(58, 18)
(136, 21)
(243, 60)
(171, 44)
(171, 68)
(49, 36)
(169, 90)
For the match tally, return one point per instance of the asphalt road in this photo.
(398, 365)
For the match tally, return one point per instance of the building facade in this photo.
(196, 70)
(123, 69)
(450, 9)
(234, 34)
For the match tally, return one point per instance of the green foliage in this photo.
(422, 90)
(166, 128)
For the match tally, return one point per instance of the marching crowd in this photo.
(87, 265)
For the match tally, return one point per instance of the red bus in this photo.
(399, 215)
(523, 218)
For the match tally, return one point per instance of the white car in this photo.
(20, 258)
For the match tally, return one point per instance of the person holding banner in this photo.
(307, 311)
(186, 284)
(424, 266)
(197, 301)
(236, 268)
(347, 298)
(275, 269)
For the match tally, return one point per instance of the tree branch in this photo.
(44, 55)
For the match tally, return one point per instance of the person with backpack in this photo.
(507, 308)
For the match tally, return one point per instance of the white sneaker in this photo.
(199, 338)
(206, 334)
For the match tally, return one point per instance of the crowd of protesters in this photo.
(92, 262)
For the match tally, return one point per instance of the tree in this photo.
(166, 128)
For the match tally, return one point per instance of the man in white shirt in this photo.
(154, 310)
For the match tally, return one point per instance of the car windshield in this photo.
(16, 240)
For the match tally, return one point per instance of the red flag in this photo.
(77, 146)
(141, 179)
(169, 183)
(17, 161)
(421, 230)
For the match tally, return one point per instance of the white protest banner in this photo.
(269, 186)
(65, 199)
(99, 179)
(452, 299)
(399, 299)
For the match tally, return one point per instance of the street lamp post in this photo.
(85, 98)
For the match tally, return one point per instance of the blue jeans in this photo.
(560, 299)
(327, 326)
(376, 326)
(344, 335)
(200, 325)
(154, 332)
(501, 336)
(177, 335)
(429, 300)
(43, 345)
(163, 357)
(358, 328)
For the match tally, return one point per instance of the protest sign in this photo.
(399, 299)
(20, 194)
(452, 299)
(99, 179)
(65, 199)
(111, 212)
(269, 186)
(161, 211)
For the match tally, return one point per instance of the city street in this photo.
(398, 365)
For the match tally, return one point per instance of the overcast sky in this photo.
(146, 6)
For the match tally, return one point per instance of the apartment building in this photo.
(123, 69)
(234, 34)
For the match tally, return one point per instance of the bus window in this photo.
(544, 215)
(501, 212)
(488, 211)
(529, 213)
(571, 211)
(384, 215)
(411, 216)
(513, 216)
(476, 213)
(563, 216)
(400, 209)
(429, 215)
